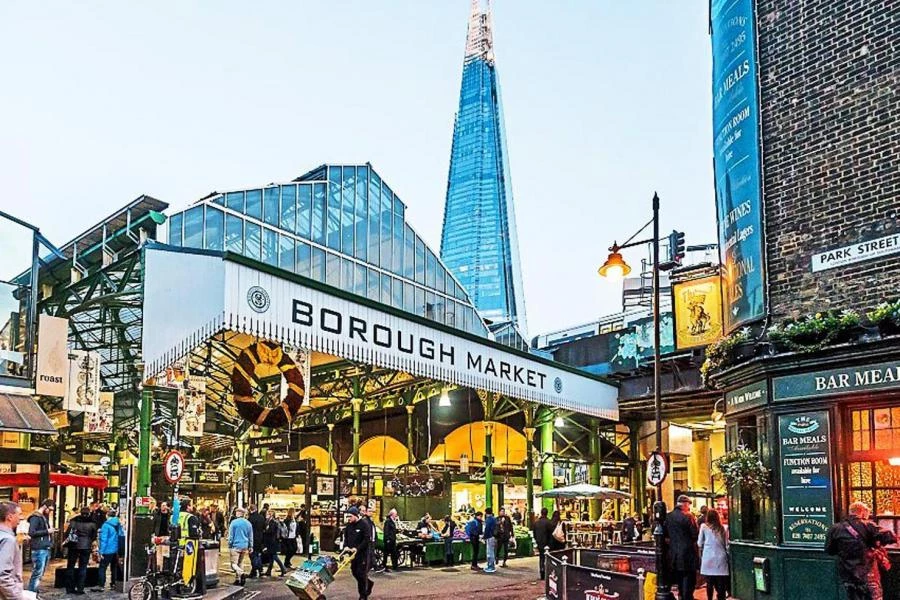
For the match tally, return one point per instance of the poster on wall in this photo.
(736, 161)
(630, 346)
(83, 394)
(101, 420)
(192, 407)
(698, 312)
(807, 507)
(52, 357)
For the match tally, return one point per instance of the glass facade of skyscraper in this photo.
(341, 225)
(479, 241)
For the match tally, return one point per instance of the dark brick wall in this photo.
(830, 91)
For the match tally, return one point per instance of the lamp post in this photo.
(616, 267)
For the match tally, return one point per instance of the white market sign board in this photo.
(304, 314)
(854, 253)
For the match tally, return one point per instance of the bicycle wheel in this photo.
(142, 590)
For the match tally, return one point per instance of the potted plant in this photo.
(813, 332)
(886, 316)
(743, 467)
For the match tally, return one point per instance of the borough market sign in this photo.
(846, 380)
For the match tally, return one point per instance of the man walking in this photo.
(358, 535)
(504, 534)
(543, 532)
(108, 549)
(390, 539)
(258, 522)
(490, 540)
(82, 532)
(474, 529)
(240, 541)
(682, 531)
(853, 541)
(10, 552)
(39, 531)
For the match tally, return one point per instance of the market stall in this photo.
(585, 533)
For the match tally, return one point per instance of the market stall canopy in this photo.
(584, 491)
(20, 413)
(191, 295)
(33, 480)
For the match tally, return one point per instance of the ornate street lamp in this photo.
(616, 267)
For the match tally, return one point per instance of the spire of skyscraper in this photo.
(479, 239)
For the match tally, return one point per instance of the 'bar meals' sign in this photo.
(846, 380)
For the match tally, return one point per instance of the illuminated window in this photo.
(875, 462)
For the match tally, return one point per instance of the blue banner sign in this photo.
(736, 161)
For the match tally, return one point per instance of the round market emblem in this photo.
(803, 425)
(260, 360)
(557, 385)
(258, 299)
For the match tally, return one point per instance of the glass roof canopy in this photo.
(338, 224)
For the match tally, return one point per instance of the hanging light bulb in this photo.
(445, 398)
(558, 422)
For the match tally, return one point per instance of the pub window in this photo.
(875, 463)
(745, 512)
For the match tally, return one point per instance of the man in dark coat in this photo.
(358, 535)
(682, 532)
(543, 533)
(390, 540)
(852, 541)
(258, 522)
(504, 535)
(85, 530)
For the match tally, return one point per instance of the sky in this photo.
(605, 102)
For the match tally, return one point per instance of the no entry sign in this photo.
(657, 468)
(173, 466)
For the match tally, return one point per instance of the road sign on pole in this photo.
(657, 468)
(173, 466)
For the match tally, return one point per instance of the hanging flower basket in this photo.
(886, 316)
(813, 332)
(743, 468)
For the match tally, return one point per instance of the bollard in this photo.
(564, 578)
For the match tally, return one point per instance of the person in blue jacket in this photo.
(108, 548)
(474, 529)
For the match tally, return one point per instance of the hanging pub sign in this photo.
(736, 160)
(657, 468)
(698, 312)
(83, 393)
(53, 357)
(806, 496)
(101, 420)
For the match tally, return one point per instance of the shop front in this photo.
(828, 428)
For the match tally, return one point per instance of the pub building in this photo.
(808, 223)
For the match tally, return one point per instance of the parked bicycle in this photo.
(156, 584)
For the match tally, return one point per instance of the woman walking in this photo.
(713, 542)
(558, 532)
(289, 538)
(272, 544)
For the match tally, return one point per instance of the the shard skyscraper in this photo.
(479, 239)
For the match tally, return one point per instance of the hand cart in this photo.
(311, 579)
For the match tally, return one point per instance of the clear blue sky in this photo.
(606, 101)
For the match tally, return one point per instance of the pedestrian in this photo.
(702, 518)
(39, 531)
(682, 532)
(504, 535)
(474, 529)
(365, 514)
(447, 532)
(543, 533)
(98, 514)
(240, 542)
(302, 531)
(357, 535)
(390, 539)
(10, 552)
(108, 549)
(218, 520)
(162, 518)
(80, 536)
(557, 532)
(206, 524)
(516, 516)
(289, 538)
(713, 543)
(272, 544)
(858, 544)
(629, 528)
(258, 522)
(490, 540)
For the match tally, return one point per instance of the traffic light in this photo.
(676, 246)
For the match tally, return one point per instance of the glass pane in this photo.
(215, 229)
(333, 226)
(220, 200)
(303, 259)
(409, 298)
(318, 264)
(420, 302)
(333, 269)
(254, 204)
(271, 211)
(860, 474)
(430, 269)
(175, 223)
(254, 240)
(348, 193)
(235, 201)
(193, 227)
(374, 232)
(286, 252)
(396, 293)
(887, 502)
(440, 277)
(304, 211)
(359, 280)
(386, 222)
(409, 253)
(862, 496)
(398, 207)
(234, 234)
(420, 261)
(362, 213)
(886, 475)
(385, 288)
(270, 247)
(318, 218)
(373, 286)
(431, 305)
(289, 207)
(346, 275)
(397, 251)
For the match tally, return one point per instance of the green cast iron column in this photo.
(529, 476)
(357, 403)
(594, 473)
(331, 460)
(547, 467)
(143, 484)
(411, 457)
(487, 401)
